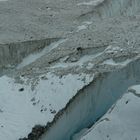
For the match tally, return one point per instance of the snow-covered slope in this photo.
(121, 122)
(22, 106)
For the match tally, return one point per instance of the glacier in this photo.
(64, 65)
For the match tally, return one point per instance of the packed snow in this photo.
(22, 106)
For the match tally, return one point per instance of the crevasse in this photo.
(93, 101)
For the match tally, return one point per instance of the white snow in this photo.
(136, 88)
(21, 110)
(121, 122)
(80, 62)
(94, 2)
(88, 22)
(113, 49)
(84, 26)
(33, 57)
(112, 62)
(90, 66)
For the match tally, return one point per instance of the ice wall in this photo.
(111, 8)
(92, 102)
(13, 53)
